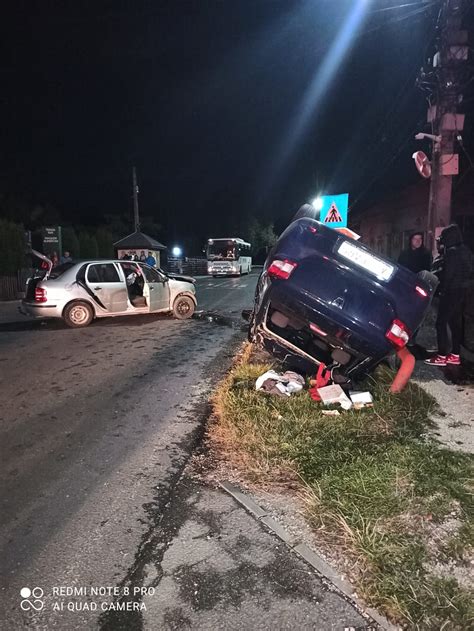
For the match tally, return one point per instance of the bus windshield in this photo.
(222, 249)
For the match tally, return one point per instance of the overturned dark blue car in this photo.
(324, 297)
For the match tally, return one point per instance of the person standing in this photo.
(66, 257)
(54, 259)
(150, 259)
(416, 257)
(455, 278)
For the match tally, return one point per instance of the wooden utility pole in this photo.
(135, 201)
(447, 123)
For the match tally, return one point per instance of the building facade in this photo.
(386, 226)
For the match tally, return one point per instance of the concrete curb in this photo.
(309, 556)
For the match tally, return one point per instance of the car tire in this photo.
(183, 307)
(78, 314)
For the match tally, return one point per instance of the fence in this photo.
(191, 266)
(13, 286)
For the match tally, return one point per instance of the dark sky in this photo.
(204, 97)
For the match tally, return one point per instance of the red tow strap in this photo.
(323, 376)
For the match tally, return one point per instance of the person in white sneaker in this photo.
(454, 282)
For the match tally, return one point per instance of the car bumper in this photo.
(36, 310)
(222, 271)
(366, 345)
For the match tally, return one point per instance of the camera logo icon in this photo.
(31, 598)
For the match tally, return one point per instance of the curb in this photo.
(302, 550)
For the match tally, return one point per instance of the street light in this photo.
(317, 203)
(176, 251)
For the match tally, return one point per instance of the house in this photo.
(386, 226)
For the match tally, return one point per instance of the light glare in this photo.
(317, 203)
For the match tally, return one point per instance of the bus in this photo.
(228, 257)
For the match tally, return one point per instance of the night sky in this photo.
(207, 98)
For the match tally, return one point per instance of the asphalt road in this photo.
(97, 510)
(94, 425)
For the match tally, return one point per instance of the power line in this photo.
(396, 6)
(385, 167)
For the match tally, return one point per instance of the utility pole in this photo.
(135, 201)
(445, 81)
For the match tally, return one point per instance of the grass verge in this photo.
(379, 491)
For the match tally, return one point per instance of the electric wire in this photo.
(385, 167)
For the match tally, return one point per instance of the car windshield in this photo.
(221, 250)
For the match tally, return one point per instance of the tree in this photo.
(105, 243)
(261, 236)
(12, 247)
(88, 246)
(70, 242)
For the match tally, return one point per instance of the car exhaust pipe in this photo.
(404, 372)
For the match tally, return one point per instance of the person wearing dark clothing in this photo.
(416, 257)
(455, 277)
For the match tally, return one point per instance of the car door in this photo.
(104, 282)
(156, 290)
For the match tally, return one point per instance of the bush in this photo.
(88, 246)
(70, 242)
(12, 247)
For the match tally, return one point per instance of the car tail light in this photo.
(398, 334)
(282, 269)
(40, 294)
(421, 291)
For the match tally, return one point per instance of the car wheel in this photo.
(78, 314)
(183, 307)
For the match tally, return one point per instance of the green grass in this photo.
(375, 487)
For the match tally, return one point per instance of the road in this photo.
(96, 427)
(94, 424)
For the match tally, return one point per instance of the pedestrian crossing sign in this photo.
(334, 210)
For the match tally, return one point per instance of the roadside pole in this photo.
(136, 215)
(445, 81)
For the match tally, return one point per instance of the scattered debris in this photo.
(335, 395)
(283, 385)
(361, 400)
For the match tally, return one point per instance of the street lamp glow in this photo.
(176, 251)
(317, 203)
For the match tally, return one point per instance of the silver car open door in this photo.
(156, 290)
(108, 289)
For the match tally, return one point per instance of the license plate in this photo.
(367, 261)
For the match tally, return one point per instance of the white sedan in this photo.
(80, 292)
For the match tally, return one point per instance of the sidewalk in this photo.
(454, 396)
